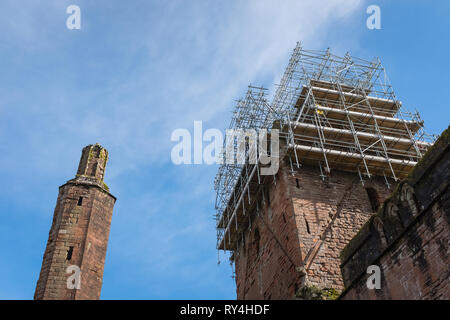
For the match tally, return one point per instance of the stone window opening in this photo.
(307, 226)
(69, 254)
(373, 198)
(297, 183)
(80, 201)
(379, 227)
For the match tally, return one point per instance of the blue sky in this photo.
(136, 71)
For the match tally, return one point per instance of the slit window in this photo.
(80, 201)
(69, 253)
(307, 226)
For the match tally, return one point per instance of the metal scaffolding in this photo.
(232, 182)
(333, 112)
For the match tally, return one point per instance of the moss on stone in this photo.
(91, 153)
(314, 293)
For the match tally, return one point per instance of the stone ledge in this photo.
(91, 182)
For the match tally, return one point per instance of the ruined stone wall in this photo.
(408, 238)
(328, 213)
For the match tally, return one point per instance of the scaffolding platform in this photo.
(333, 112)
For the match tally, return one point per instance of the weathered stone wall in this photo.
(93, 162)
(408, 238)
(78, 236)
(301, 231)
(266, 264)
(328, 214)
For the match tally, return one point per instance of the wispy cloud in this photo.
(135, 72)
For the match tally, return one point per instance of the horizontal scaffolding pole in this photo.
(408, 142)
(354, 95)
(369, 116)
(352, 155)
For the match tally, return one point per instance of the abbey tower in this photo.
(74, 258)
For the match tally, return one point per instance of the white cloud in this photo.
(134, 74)
(205, 56)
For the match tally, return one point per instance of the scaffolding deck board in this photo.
(333, 98)
(389, 124)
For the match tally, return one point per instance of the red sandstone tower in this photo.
(74, 258)
(345, 141)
